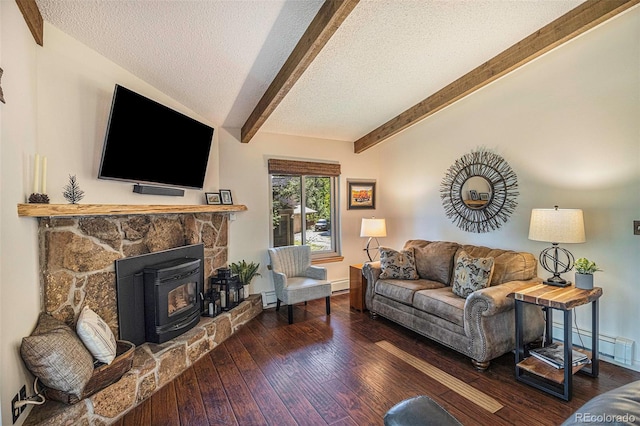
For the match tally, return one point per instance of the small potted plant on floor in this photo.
(246, 272)
(584, 273)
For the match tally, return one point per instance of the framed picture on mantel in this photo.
(213, 197)
(225, 196)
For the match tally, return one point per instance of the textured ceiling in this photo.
(217, 57)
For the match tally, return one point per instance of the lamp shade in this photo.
(373, 228)
(557, 225)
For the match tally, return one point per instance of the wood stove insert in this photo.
(159, 294)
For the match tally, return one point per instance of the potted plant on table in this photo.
(245, 271)
(584, 273)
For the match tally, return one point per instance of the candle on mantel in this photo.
(44, 175)
(36, 174)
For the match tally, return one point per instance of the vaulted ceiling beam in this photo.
(326, 22)
(563, 29)
(32, 16)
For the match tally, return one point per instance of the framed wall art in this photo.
(362, 194)
(485, 169)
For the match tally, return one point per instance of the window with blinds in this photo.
(305, 205)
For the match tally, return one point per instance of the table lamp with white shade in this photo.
(557, 226)
(373, 228)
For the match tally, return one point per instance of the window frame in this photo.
(312, 169)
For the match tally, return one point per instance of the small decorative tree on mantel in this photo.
(72, 192)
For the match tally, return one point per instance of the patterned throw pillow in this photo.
(471, 274)
(400, 265)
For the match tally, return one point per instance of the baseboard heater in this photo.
(620, 349)
(268, 299)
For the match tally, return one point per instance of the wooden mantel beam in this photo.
(570, 25)
(32, 16)
(326, 22)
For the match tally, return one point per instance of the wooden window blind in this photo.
(298, 168)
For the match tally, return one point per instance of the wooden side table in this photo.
(357, 288)
(557, 382)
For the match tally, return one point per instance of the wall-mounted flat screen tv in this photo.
(147, 142)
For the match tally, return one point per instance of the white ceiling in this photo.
(217, 57)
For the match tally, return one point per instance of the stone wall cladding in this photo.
(77, 255)
(153, 366)
(77, 258)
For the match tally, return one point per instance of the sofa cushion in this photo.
(403, 290)
(471, 274)
(434, 260)
(508, 265)
(442, 303)
(398, 264)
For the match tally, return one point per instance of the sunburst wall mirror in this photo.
(479, 191)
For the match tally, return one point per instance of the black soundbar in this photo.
(158, 190)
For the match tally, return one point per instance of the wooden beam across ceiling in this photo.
(570, 25)
(32, 16)
(326, 22)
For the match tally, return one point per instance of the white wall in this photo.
(19, 289)
(58, 99)
(1, 351)
(568, 126)
(75, 88)
(243, 169)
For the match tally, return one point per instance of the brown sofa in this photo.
(482, 326)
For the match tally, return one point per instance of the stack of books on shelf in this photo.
(553, 355)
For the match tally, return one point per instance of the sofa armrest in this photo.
(495, 298)
(371, 271)
(489, 320)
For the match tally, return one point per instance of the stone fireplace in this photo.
(77, 261)
(77, 255)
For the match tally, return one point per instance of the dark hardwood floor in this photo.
(328, 370)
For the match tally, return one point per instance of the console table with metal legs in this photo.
(537, 373)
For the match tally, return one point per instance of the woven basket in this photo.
(102, 376)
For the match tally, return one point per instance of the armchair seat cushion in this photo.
(300, 289)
